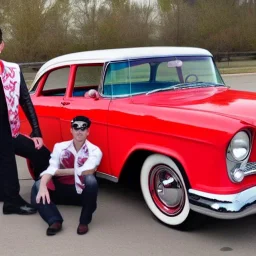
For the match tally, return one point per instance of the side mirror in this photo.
(93, 94)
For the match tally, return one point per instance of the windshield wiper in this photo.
(185, 86)
(195, 84)
(161, 89)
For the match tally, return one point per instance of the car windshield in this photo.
(124, 78)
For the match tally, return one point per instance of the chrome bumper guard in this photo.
(232, 206)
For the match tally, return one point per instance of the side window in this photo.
(124, 78)
(87, 77)
(166, 74)
(117, 80)
(117, 73)
(56, 82)
(140, 73)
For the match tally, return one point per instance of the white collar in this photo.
(72, 148)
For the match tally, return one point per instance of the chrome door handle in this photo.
(65, 103)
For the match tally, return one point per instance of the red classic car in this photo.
(162, 115)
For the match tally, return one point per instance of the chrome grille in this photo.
(249, 169)
(250, 166)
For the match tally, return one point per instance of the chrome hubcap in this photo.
(166, 189)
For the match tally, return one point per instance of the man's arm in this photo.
(46, 176)
(45, 179)
(64, 172)
(43, 193)
(91, 164)
(54, 163)
(92, 171)
(61, 172)
(28, 108)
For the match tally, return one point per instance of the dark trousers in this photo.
(39, 158)
(9, 183)
(67, 195)
(23, 146)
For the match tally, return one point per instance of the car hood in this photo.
(220, 100)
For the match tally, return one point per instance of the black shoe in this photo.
(18, 206)
(82, 229)
(25, 209)
(54, 228)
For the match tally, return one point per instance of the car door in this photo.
(47, 96)
(77, 102)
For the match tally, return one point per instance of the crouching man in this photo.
(69, 179)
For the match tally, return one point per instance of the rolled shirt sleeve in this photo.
(54, 163)
(94, 159)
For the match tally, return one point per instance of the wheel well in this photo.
(182, 170)
(131, 171)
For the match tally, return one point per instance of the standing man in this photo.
(14, 92)
(69, 178)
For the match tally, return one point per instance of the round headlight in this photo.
(240, 146)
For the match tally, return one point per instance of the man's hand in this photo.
(43, 194)
(38, 142)
(92, 171)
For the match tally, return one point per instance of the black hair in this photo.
(83, 119)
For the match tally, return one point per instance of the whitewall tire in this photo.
(164, 190)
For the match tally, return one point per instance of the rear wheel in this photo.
(165, 192)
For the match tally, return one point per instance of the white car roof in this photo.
(103, 56)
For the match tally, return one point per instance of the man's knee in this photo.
(90, 181)
(42, 155)
(44, 150)
(34, 191)
(36, 186)
(39, 160)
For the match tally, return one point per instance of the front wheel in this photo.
(165, 192)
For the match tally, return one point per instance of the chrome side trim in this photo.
(107, 177)
(232, 206)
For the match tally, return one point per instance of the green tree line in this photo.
(37, 30)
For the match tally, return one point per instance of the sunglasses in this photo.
(77, 127)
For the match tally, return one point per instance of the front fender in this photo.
(157, 149)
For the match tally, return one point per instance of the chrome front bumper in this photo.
(232, 206)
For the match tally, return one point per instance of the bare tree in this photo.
(177, 22)
(38, 30)
(128, 24)
(25, 24)
(88, 16)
